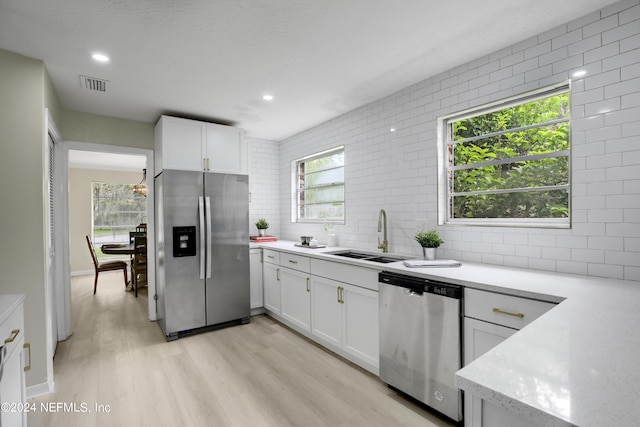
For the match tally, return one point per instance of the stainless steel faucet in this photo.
(382, 224)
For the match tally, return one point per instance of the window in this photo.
(508, 163)
(116, 211)
(319, 187)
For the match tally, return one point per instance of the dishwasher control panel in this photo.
(419, 284)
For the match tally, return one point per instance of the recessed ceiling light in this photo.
(100, 57)
(579, 73)
(267, 97)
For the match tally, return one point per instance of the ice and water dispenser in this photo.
(184, 241)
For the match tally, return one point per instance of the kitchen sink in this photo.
(368, 257)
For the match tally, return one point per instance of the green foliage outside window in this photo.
(511, 163)
(320, 189)
(116, 211)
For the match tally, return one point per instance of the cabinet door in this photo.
(296, 297)
(360, 324)
(182, 143)
(255, 277)
(226, 150)
(12, 388)
(271, 279)
(480, 337)
(326, 311)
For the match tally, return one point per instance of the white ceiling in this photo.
(214, 59)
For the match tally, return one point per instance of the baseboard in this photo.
(40, 389)
(82, 272)
(257, 311)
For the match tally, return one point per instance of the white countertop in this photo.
(575, 365)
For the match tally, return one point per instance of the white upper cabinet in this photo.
(184, 144)
(226, 150)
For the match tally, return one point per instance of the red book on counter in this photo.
(263, 238)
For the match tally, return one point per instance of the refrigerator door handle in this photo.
(209, 231)
(202, 235)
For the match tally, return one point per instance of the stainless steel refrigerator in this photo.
(202, 240)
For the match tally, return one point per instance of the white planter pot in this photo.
(429, 253)
(262, 232)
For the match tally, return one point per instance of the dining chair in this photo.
(105, 266)
(139, 263)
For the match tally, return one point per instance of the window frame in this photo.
(445, 139)
(295, 185)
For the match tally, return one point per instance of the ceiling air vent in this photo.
(94, 84)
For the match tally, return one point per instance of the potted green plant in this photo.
(429, 240)
(262, 226)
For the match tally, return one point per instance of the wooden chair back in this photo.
(92, 249)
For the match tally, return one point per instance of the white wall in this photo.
(397, 170)
(263, 185)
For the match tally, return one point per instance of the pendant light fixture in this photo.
(142, 187)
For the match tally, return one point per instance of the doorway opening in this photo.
(82, 165)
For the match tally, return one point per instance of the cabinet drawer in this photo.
(270, 256)
(13, 330)
(506, 310)
(296, 262)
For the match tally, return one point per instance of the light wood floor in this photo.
(260, 374)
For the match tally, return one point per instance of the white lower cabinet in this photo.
(481, 333)
(271, 279)
(12, 380)
(480, 337)
(296, 298)
(255, 280)
(345, 317)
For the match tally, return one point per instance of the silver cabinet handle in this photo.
(308, 289)
(508, 313)
(293, 262)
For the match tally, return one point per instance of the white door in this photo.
(480, 337)
(255, 277)
(271, 277)
(326, 311)
(51, 236)
(296, 297)
(360, 333)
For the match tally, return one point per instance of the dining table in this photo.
(118, 249)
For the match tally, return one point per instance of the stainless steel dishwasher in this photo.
(420, 349)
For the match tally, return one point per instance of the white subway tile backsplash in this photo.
(571, 267)
(618, 33)
(623, 59)
(553, 56)
(603, 270)
(631, 129)
(398, 172)
(583, 45)
(588, 255)
(600, 26)
(571, 37)
(619, 7)
(604, 79)
(631, 14)
(602, 107)
(630, 43)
